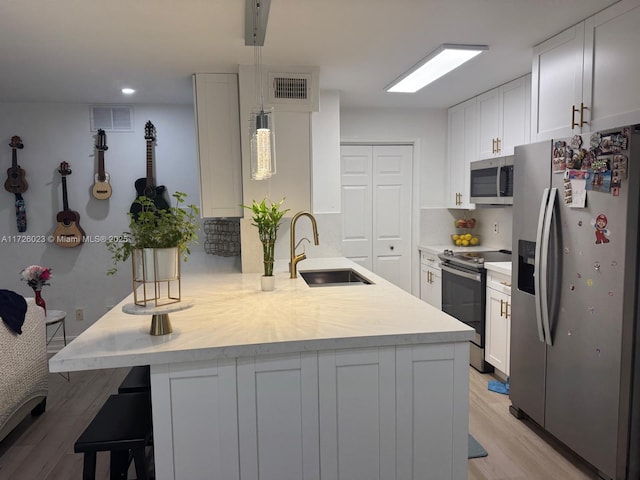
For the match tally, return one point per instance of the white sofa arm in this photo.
(24, 370)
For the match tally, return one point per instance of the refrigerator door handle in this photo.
(544, 263)
(537, 273)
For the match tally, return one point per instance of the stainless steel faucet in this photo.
(294, 259)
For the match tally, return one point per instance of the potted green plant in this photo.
(156, 233)
(267, 219)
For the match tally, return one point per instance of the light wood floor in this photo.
(42, 448)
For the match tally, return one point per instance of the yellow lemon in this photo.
(455, 237)
(458, 242)
(467, 236)
(474, 241)
(465, 243)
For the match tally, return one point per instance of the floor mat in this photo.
(475, 449)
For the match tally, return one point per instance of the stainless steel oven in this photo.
(464, 283)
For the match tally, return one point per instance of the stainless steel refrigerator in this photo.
(574, 326)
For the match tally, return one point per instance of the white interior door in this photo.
(376, 206)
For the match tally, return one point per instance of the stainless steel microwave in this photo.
(492, 181)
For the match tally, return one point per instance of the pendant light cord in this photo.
(257, 56)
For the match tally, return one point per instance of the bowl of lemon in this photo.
(465, 240)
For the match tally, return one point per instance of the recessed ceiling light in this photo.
(128, 91)
(445, 58)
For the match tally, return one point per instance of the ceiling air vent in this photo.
(112, 118)
(294, 89)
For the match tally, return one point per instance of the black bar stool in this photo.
(137, 380)
(123, 427)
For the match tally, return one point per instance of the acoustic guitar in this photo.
(101, 186)
(146, 187)
(17, 184)
(68, 232)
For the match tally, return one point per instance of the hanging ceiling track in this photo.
(250, 22)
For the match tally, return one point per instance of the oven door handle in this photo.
(476, 277)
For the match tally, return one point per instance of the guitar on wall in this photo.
(68, 232)
(101, 187)
(145, 187)
(17, 184)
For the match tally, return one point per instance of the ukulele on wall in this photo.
(101, 187)
(17, 184)
(145, 187)
(68, 232)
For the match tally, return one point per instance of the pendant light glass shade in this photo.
(263, 144)
(261, 127)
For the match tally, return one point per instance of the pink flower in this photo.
(36, 276)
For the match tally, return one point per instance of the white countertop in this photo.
(232, 317)
(500, 267)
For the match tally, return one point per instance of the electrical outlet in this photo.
(495, 227)
(79, 314)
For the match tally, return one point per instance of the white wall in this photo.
(55, 132)
(325, 159)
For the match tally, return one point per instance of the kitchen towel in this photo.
(499, 387)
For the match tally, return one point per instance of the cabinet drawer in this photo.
(430, 260)
(499, 282)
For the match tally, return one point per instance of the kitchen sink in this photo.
(334, 278)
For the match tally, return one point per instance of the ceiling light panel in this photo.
(441, 61)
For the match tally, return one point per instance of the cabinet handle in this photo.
(574, 110)
(506, 310)
(458, 199)
(582, 109)
(493, 145)
(498, 149)
(430, 275)
(501, 308)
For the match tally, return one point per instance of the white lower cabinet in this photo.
(430, 280)
(195, 420)
(278, 417)
(372, 413)
(498, 321)
(357, 413)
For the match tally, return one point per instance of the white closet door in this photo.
(376, 207)
(355, 168)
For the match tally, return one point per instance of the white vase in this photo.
(267, 283)
(156, 264)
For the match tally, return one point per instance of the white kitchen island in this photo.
(344, 382)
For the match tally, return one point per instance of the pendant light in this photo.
(261, 125)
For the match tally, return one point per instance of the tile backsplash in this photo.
(437, 224)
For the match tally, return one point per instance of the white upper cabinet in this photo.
(462, 149)
(218, 128)
(556, 85)
(583, 78)
(503, 118)
(612, 67)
